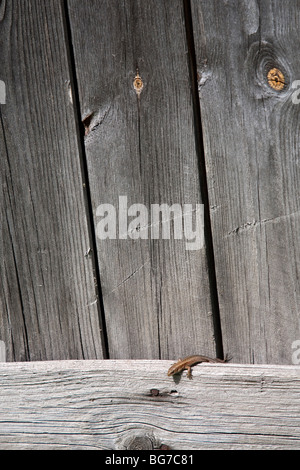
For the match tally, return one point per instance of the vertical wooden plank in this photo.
(251, 139)
(48, 304)
(156, 293)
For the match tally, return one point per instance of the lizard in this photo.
(188, 362)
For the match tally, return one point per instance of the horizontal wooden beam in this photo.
(119, 404)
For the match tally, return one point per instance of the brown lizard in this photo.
(188, 362)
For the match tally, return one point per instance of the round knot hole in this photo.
(138, 84)
(276, 79)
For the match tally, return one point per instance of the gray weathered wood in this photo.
(251, 140)
(156, 294)
(107, 404)
(2, 351)
(48, 306)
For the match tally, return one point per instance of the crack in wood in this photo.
(129, 277)
(257, 223)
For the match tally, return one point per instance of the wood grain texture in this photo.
(105, 404)
(48, 304)
(251, 140)
(156, 294)
(2, 351)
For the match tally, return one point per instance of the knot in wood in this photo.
(276, 79)
(140, 443)
(138, 84)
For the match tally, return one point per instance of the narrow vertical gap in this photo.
(85, 178)
(203, 179)
(25, 335)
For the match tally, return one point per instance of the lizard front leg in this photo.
(189, 372)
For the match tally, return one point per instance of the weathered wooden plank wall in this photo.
(48, 307)
(251, 140)
(156, 293)
(70, 61)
